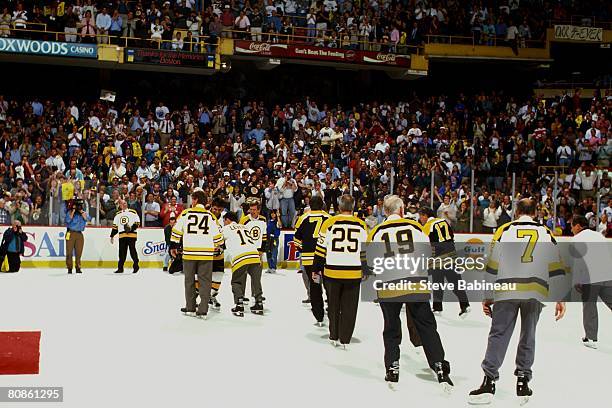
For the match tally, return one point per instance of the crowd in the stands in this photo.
(388, 25)
(154, 154)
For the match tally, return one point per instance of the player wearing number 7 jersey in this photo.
(338, 257)
(525, 254)
(199, 231)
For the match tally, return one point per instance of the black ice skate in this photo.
(464, 312)
(238, 310)
(392, 376)
(257, 308)
(214, 303)
(442, 371)
(188, 312)
(522, 389)
(484, 394)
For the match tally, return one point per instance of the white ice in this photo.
(120, 341)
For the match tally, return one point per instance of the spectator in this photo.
(273, 230)
(12, 246)
(151, 212)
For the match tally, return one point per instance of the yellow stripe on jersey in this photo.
(248, 258)
(342, 272)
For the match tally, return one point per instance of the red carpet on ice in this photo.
(19, 352)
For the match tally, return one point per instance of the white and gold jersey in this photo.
(243, 250)
(124, 222)
(199, 231)
(258, 229)
(340, 246)
(525, 254)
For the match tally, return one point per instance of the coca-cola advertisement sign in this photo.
(310, 52)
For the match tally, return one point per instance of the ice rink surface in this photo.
(120, 341)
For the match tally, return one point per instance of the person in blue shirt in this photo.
(12, 246)
(258, 134)
(274, 230)
(76, 220)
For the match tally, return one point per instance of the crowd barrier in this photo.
(46, 247)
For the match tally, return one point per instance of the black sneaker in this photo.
(464, 312)
(69, 271)
(165, 269)
(136, 269)
(117, 271)
(238, 310)
(257, 308)
(188, 312)
(484, 394)
(522, 389)
(442, 371)
(392, 375)
(79, 271)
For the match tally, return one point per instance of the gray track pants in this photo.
(504, 316)
(239, 282)
(204, 271)
(590, 294)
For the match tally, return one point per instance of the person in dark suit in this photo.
(12, 246)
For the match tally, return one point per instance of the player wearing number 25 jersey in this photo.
(338, 254)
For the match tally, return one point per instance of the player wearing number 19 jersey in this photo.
(307, 231)
(200, 234)
(403, 236)
(338, 256)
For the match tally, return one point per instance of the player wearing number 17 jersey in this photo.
(338, 256)
(245, 259)
(307, 231)
(442, 240)
(200, 234)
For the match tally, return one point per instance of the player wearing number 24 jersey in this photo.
(200, 232)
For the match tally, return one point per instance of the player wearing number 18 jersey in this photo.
(200, 234)
(307, 231)
(338, 256)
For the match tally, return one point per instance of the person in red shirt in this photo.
(170, 209)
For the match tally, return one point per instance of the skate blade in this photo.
(523, 400)
(238, 314)
(393, 386)
(591, 346)
(202, 317)
(483, 399)
(258, 313)
(189, 314)
(446, 388)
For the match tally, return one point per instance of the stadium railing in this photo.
(199, 45)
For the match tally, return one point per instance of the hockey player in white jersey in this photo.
(199, 232)
(523, 254)
(243, 250)
(408, 238)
